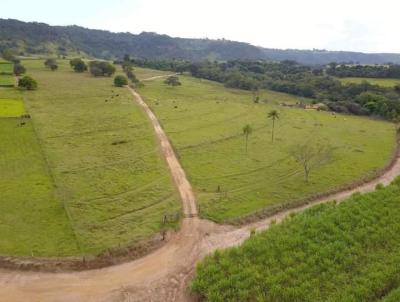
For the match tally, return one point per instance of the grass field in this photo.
(32, 220)
(374, 81)
(204, 121)
(6, 80)
(11, 108)
(346, 252)
(105, 164)
(6, 68)
(144, 73)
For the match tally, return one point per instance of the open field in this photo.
(204, 122)
(6, 68)
(381, 82)
(7, 80)
(102, 155)
(345, 252)
(144, 73)
(11, 108)
(32, 220)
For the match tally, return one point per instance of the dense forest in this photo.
(294, 78)
(364, 71)
(39, 38)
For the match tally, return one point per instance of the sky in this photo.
(354, 25)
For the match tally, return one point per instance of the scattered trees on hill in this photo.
(310, 155)
(19, 69)
(78, 65)
(27, 83)
(173, 81)
(120, 81)
(273, 115)
(101, 68)
(51, 63)
(247, 130)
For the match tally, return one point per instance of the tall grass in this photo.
(345, 252)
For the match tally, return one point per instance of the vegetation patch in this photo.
(372, 81)
(205, 122)
(32, 221)
(345, 252)
(6, 68)
(11, 108)
(7, 80)
(114, 196)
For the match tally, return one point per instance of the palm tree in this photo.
(274, 115)
(247, 130)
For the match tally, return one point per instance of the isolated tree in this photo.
(131, 76)
(311, 155)
(120, 81)
(256, 95)
(247, 130)
(51, 63)
(273, 115)
(19, 69)
(101, 68)
(78, 65)
(27, 83)
(173, 81)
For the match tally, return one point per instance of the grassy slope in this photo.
(11, 108)
(115, 194)
(204, 121)
(7, 80)
(33, 222)
(347, 252)
(6, 68)
(381, 82)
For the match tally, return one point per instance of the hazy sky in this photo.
(358, 25)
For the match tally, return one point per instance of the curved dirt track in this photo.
(159, 276)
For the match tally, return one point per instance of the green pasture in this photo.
(108, 179)
(204, 121)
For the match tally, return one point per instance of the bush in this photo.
(27, 83)
(78, 65)
(120, 81)
(173, 81)
(51, 63)
(19, 69)
(101, 68)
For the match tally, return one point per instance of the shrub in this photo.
(101, 68)
(51, 63)
(27, 83)
(173, 81)
(120, 81)
(78, 65)
(19, 69)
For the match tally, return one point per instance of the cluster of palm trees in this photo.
(247, 129)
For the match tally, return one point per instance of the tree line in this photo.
(364, 71)
(293, 78)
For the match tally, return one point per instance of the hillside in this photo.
(40, 38)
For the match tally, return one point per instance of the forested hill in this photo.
(40, 38)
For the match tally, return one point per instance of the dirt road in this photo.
(178, 174)
(161, 275)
